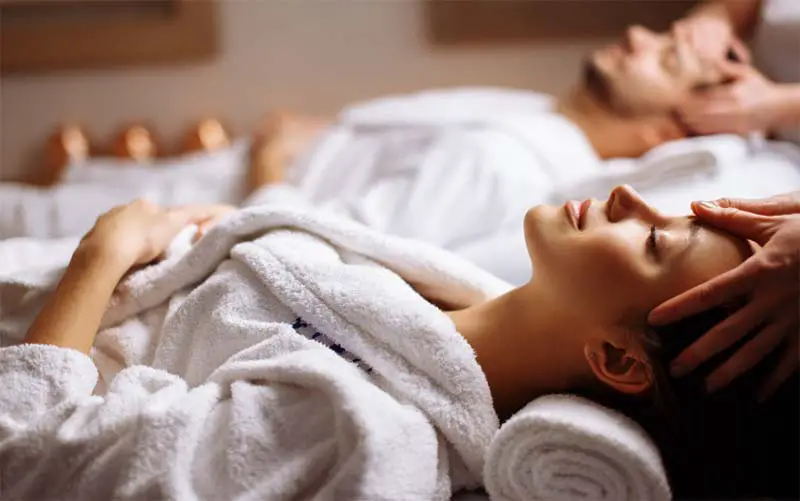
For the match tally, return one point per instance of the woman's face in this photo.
(614, 261)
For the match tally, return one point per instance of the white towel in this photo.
(565, 448)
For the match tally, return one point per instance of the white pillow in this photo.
(202, 177)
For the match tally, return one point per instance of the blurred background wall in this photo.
(301, 55)
(305, 55)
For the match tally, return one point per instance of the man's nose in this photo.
(637, 38)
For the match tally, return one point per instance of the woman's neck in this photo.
(517, 343)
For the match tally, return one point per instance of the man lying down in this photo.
(467, 162)
(290, 354)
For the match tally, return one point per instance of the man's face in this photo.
(648, 72)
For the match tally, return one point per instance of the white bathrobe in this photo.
(211, 385)
(457, 168)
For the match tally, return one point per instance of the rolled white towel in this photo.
(562, 447)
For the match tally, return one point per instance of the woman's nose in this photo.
(624, 202)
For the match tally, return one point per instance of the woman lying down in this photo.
(291, 355)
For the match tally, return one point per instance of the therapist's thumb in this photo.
(756, 227)
(733, 71)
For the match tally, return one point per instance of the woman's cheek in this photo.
(610, 273)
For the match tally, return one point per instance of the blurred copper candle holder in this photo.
(137, 143)
(69, 144)
(208, 135)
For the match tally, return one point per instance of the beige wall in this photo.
(300, 54)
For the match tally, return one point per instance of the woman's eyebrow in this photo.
(694, 232)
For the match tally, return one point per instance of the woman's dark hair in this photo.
(723, 445)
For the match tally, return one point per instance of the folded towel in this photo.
(687, 159)
(562, 447)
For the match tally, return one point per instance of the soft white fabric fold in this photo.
(688, 160)
(206, 389)
(566, 448)
(95, 186)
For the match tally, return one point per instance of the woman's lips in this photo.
(573, 210)
(582, 210)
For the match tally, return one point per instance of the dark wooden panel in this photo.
(106, 35)
(486, 21)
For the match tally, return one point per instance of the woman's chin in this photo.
(543, 222)
(536, 216)
(538, 229)
(531, 224)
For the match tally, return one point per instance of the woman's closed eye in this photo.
(652, 242)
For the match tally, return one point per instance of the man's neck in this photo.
(613, 135)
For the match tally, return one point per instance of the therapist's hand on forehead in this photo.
(769, 279)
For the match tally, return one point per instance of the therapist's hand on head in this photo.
(769, 279)
(750, 102)
(712, 37)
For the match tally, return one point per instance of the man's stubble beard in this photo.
(601, 89)
(596, 83)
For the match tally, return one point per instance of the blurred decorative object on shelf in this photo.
(136, 142)
(452, 22)
(69, 144)
(208, 135)
(39, 35)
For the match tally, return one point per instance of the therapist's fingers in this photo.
(779, 205)
(732, 71)
(722, 124)
(788, 364)
(719, 97)
(740, 51)
(711, 116)
(697, 107)
(719, 338)
(730, 285)
(748, 356)
(756, 227)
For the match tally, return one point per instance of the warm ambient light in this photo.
(136, 142)
(208, 135)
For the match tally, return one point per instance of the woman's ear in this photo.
(619, 367)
